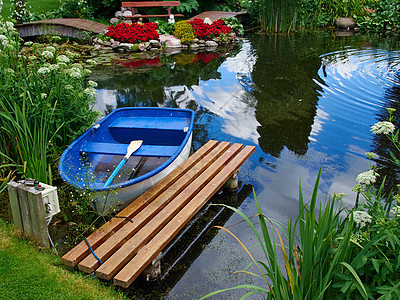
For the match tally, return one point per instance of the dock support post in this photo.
(153, 271)
(233, 183)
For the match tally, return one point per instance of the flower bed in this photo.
(133, 33)
(205, 30)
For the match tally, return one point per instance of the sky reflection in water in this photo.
(304, 102)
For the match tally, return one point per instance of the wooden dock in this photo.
(215, 15)
(123, 247)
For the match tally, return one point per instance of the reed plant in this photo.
(45, 103)
(316, 248)
(275, 15)
(333, 252)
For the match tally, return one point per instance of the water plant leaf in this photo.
(360, 285)
(243, 286)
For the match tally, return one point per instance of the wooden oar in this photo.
(133, 146)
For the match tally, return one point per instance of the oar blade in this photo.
(133, 146)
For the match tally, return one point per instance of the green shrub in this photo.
(184, 32)
(76, 9)
(380, 16)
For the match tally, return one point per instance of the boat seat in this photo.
(159, 123)
(120, 149)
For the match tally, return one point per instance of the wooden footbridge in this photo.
(75, 28)
(123, 247)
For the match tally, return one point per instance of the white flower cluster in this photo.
(384, 127)
(92, 83)
(63, 59)
(367, 177)
(43, 70)
(47, 54)
(356, 238)
(74, 72)
(90, 91)
(396, 211)
(20, 10)
(361, 218)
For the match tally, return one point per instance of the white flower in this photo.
(51, 49)
(62, 65)
(208, 21)
(90, 91)
(77, 66)
(10, 26)
(43, 70)
(92, 83)
(71, 55)
(63, 59)
(55, 38)
(361, 218)
(367, 177)
(74, 72)
(384, 127)
(43, 95)
(371, 155)
(396, 211)
(340, 196)
(54, 67)
(91, 62)
(47, 54)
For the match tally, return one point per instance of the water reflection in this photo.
(305, 101)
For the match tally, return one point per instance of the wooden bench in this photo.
(142, 4)
(129, 242)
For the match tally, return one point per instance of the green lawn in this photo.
(28, 273)
(35, 6)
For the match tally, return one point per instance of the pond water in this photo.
(305, 101)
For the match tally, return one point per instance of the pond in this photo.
(305, 101)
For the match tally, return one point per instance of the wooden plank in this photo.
(74, 256)
(15, 207)
(131, 270)
(24, 205)
(150, 4)
(105, 250)
(38, 218)
(110, 267)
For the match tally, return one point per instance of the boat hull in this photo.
(89, 161)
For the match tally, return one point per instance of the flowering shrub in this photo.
(46, 104)
(184, 31)
(204, 30)
(20, 12)
(133, 33)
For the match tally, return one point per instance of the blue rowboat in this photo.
(90, 160)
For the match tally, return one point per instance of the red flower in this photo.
(207, 31)
(133, 33)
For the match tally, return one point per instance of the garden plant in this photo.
(41, 87)
(333, 251)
